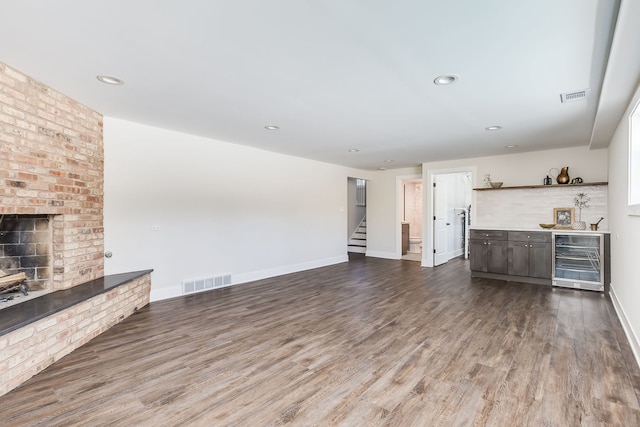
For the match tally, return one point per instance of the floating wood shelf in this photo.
(521, 187)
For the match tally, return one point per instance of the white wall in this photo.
(384, 212)
(221, 208)
(531, 168)
(625, 236)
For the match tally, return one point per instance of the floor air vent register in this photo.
(208, 283)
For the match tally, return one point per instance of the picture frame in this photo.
(563, 217)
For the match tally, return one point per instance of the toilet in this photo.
(415, 244)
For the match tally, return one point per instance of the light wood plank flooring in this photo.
(365, 343)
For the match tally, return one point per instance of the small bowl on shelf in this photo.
(547, 225)
(496, 184)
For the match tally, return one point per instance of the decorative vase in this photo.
(563, 178)
(579, 225)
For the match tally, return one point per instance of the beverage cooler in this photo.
(578, 260)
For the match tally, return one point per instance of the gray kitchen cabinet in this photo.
(488, 251)
(519, 256)
(530, 254)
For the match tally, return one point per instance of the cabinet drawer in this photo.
(488, 234)
(529, 236)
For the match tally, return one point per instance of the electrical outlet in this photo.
(155, 228)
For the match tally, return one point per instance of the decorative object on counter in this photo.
(547, 180)
(496, 184)
(579, 225)
(563, 218)
(594, 227)
(547, 225)
(552, 173)
(581, 200)
(487, 180)
(563, 177)
(577, 180)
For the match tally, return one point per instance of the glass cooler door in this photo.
(577, 262)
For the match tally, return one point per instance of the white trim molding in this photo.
(626, 325)
(383, 254)
(237, 279)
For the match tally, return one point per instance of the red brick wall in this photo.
(52, 162)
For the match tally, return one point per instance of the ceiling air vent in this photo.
(573, 96)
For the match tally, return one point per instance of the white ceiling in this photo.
(334, 74)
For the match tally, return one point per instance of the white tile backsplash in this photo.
(526, 208)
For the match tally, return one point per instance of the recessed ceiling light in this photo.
(382, 169)
(353, 150)
(110, 80)
(388, 161)
(272, 127)
(445, 79)
(493, 128)
(510, 146)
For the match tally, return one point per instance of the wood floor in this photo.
(365, 343)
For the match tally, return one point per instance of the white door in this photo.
(440, 224)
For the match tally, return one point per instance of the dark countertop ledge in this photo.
(20, 315)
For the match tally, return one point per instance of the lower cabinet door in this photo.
(497, 256)
(519, 258)
(540, 260)
(478, 255)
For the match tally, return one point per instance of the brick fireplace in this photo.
(51, 165)
(51, 229)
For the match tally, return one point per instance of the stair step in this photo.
(358, 235)
(356, 249)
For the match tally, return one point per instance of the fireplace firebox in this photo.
(25, 247)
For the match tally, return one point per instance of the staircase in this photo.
(358, 240)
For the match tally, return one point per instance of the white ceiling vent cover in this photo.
(573, 96)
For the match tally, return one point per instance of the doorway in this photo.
(357, 216)
(451, 197)
(411, 218)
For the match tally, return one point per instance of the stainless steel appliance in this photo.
(578, 260)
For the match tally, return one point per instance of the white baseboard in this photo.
(286, 269)
(456, 253)
(626, 325)
(237, 279)
(381, 254)
(165, 293)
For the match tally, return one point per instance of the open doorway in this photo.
(411, 202)
(357, 216)
(451, 196)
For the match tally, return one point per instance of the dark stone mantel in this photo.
(20, 315)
